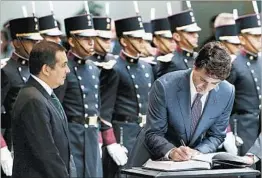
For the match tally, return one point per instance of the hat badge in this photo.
(89, 23)
(108, 26)
(36, 26)
(35, 19)
(88, 17)
(108, 20)
(139, 19)
(191, 14)
(55, 23)
(141, 24)
(193, 19)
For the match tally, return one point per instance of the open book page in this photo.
(205, 157)
(176, 166)
(221, 158)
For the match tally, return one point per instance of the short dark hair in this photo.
(215, 58)
(43, 52)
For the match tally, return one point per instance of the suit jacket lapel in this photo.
(184, 101)
(209, 108)
(38, 86)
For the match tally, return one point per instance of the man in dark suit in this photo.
(188, 107)
(40, 129)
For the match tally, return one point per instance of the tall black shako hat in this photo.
(81, 25)
(25, 28)
(102, 26)
(48, 26)
(132, 26)
(183, 21)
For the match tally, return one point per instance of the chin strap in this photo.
(27, 53)
(89, 53)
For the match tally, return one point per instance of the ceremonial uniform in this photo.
(182, 59)
(246, 76)
(124, 92)
(80, 99)
(16, 71)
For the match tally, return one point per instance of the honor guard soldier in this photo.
(163, 41)
(80, 96)
(124, 93)
(185, 33)
(49, 29)
(226, 33)
(246, 76)
(102, 43)
(24, 33)
(148, 52)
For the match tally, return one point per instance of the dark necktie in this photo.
(196, 112)
(57, 104)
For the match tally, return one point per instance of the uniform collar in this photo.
(128, 58)
(22, 60)
(76, 58)
(99, 57)
(185, 52)
(249, 55)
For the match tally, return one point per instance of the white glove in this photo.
(230, 143)
(118, 153)
(6, 161)
(100, 149)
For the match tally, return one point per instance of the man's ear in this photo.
(123, 42)
(242, 40)
(176, 36)
(45, 70)
(16, 44)
(155, 41)
(71, 42)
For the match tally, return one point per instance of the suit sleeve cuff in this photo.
(108, 136)
(255, 158)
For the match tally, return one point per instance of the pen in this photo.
(182, 142)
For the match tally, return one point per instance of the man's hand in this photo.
(182, 153)
(6, 161)
(118, 153)
(249, 159)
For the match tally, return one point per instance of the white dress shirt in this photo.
(44, 85)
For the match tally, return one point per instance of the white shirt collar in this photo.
(193, 92)
(44, 85)
(233, 57)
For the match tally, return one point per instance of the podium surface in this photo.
(139, 172)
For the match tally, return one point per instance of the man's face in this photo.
(252, 43)
(189, 37)
(87, 43)
(203, 82)
(135, 45)
(55, 39)
(58, 74)
(233, 48)
(24, 47)
(102, 45)
(165, 45)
